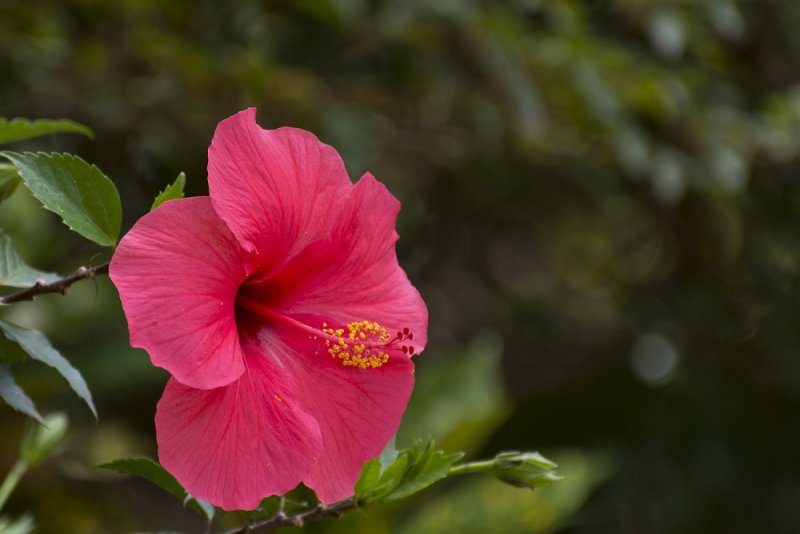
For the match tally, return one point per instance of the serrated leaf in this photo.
(393, 475)
(148, 469)
(9, 180)
(14, 271)
(19, 129)
(396, 469)
(420, 455)
(85, 199)
(38, 347)
(172, 191)
(429, 467)
(153, 471)
(371, 484)
(15, 397)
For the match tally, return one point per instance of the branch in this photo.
(280, 519)
(521, 469)
(59, 286)
(320, 511)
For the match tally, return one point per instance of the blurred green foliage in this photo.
(599, 204)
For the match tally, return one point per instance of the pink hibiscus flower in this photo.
(278, 306)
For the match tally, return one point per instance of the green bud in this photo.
(39, 441)
(525, 469)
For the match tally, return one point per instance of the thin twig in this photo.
(281, 519)
(61, 285)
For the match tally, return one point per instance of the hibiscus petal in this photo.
(177, 272)
(358, 410)
(235, 445)
(276, 189)
(355, 275)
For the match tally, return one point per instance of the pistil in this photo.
(362, 344)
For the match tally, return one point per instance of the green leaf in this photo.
(369, 479)
(38, 347)
(393, 475)
(372, 483)
(148, 469)
(84, 197)
(266, 508)
(9, 180)
(412, 471)
(15, 397)
(19, 129)
(172, 191)
(14, 271)
(431, 468)
(153, 471)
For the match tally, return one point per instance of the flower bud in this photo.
(40, 440)
(525, 469)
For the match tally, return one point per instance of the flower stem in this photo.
(12, 479)
(281, 519)
(483, 466)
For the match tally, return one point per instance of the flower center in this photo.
(362, 344)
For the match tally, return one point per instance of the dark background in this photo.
(600, 207)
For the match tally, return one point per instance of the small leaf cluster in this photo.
(410, 472)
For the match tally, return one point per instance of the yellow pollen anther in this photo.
(365, 344)
(361, 344)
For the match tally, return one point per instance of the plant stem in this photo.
(483, 466)
(59, 286)
(281, 519)
(12, 479)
